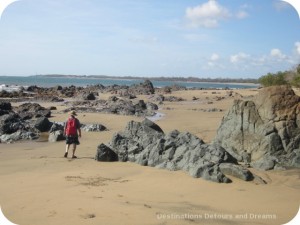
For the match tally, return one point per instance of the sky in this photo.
(171, 38)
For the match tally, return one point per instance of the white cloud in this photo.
(206, 15)
(239, 57)
(297, 44)
(214, 57)
(276, 53)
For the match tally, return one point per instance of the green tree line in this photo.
(290, 77)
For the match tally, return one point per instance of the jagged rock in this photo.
(236, 171)
(56, 132)
(57, 135)
(5, 106)
(93, 127)
(146, 144)
(267, 125)
(267, 162)
(43, 124)
(88, 96)
(158, 98)
(19, 135)
(31, 110)
(105, 154)
(145, 88)
(10, 123)
(151, 106)
(57, 126)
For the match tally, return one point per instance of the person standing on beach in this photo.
(72, 132)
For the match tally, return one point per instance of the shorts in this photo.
(72, 140)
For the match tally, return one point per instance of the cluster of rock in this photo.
(26, 122)
(29, 120)
(57, 93)
(263, 133)
(266, 129)
(146, 144)
(114, 105)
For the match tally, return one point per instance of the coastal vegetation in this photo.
(290, 77)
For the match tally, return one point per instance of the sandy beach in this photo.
(40, 186)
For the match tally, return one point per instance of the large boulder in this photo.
(105, 154)
(5, 106)
(88, 96)
(57, 135)
(145, 143)
(93, 127)
(145, 88)
(266, 127)
(43, 124)
(56, 132)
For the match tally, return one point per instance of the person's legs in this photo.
(74, 149)
(67, 149)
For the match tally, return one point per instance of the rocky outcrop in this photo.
(32, 110)
(145, 143)
(14, 128)
(114, 105)
(145, 88)
(267, 128)
(88, 96)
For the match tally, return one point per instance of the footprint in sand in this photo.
(52, 213)
(88, 216)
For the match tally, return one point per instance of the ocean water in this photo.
(43, 81)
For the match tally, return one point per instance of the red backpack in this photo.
(71, 128)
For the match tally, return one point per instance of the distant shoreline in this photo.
(247, 81)
(84, 81)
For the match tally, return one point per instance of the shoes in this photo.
(74, 157)
(66, 155)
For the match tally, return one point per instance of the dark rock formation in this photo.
(14, 128)
(43, 124)
(267, 128)
(56, 132)
(105, 154)
(33, 110)
(88, 96)
(5, 106)
(146, 144)
(145, 88)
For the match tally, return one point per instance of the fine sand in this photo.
(39, 187)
